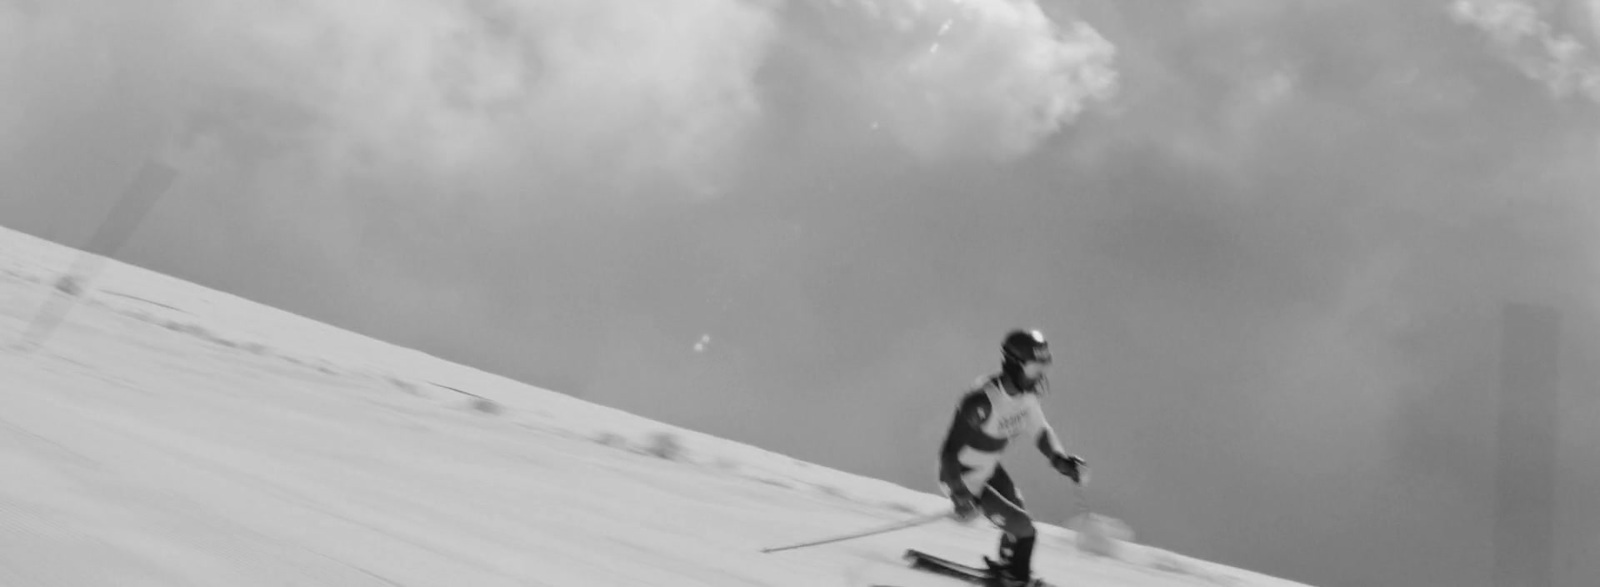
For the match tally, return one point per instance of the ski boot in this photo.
(1003, 575)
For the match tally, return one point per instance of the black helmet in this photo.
(1022, 346)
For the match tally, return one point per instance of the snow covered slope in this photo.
(163, 434)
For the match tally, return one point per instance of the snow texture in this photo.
(157, 433)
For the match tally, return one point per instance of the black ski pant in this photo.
(1001, 503)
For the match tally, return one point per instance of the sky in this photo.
(1270, 242)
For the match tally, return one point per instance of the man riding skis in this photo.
(1002, 408)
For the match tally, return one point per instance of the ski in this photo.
(942, 566)
(939, 565)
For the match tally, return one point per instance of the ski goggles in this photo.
(1039, 355)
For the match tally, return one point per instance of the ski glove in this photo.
(966, 504)
(1071, 466)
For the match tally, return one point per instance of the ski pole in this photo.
(1092, 534)
(918, 521)
(1082, 501)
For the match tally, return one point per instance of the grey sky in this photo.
(1269, 240)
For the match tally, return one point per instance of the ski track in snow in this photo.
(167, 435)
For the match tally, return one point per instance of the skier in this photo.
(1002, 408)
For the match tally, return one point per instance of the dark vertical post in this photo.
(1525, 476)
(137, 199)
(153, 180)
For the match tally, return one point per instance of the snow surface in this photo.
(164, 434)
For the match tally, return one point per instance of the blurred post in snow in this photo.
(152, 181)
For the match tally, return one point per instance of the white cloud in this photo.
(506, 96)
(1560, 61)
(993, 78)
(644, 90)
(1594, 19)
(476, 90)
